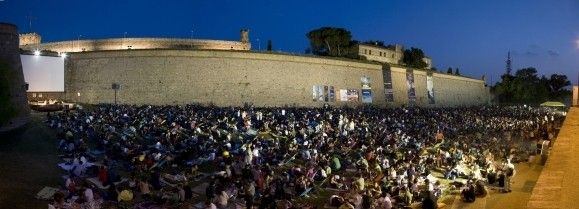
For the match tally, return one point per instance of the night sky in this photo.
(474, 36)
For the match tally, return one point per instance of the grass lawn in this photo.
(28, 162)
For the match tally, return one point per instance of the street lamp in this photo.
(37, 52)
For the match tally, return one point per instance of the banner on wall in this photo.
(315, 93)
(343, 95)
(326, 93)
(388, 91)
(366, 96)
(366, 82)
(318, 93)
(411, 88)
(352, 95)
(332, 94)
(430, 88)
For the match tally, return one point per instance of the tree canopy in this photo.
(330, 41)
(525, 86)
(413, 58)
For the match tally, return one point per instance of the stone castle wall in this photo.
(29, 39)
(227, 78)
(137, 43)
(14, 110)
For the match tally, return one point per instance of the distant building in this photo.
(386, 54)
(390, 55)
(428, 61)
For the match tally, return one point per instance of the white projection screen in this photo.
(43, 73)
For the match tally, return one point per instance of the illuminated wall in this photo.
(227, 78)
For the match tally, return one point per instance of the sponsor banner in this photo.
(326, 93)
(343, 95)
(411, 87)
(430, 88)
(352, 95)
(332, 94)
(366, 82)
(388, 91)
(366, 96)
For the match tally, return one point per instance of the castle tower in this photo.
(244, 33)
(14, 111)
(29, 39)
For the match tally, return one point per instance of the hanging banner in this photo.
(352, 95)
(326, 93)
(388, 91)
(315, 93)
(332, 94)
(410, 85)
(430, 88)
(320, 93)
(366, 96)
(343, 95)
(366, 83)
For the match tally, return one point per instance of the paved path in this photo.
(524, 181)
(558, 185)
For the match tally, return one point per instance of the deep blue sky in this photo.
(471, 35)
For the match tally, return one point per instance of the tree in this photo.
(413, 58)
(456, 71)
(269, 45)
(524, 87)
(449, 71)
(434, 69)
(556, 86)
(330, 41)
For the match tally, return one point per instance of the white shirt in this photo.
(88, 195)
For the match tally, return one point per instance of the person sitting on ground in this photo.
(468, 193)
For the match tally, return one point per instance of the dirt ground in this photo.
(28, 162)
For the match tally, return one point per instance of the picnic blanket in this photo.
(70, 166)
(46, 193)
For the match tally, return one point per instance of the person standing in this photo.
(509, 174)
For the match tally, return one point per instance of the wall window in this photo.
(365, 51)
(380, 53)
(370, 52)
(33, 94)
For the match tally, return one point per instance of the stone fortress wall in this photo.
(14, 110)
(227, 78)
(136, 43)
(32, 42)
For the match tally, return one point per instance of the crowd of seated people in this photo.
(279, 157)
